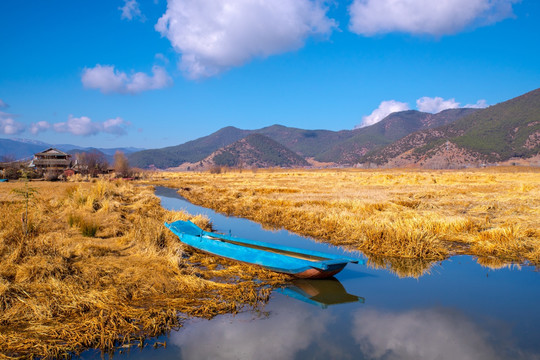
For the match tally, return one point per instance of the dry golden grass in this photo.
(414, 214)
(97, 268)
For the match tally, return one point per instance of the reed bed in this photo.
(407, 214)
(96, 268)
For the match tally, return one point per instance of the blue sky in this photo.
(157, 73)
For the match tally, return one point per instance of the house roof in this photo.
(52, 151)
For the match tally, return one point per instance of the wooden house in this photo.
(51, 160)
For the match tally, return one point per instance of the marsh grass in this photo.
(89, 228)
(62, 292)
(407, 214)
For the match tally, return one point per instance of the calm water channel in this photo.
(460, 310)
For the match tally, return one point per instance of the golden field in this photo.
(404, 219)
(95, 268)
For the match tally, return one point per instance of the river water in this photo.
(460, 310)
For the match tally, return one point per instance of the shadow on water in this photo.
(321, 292)
(460, 309)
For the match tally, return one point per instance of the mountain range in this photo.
(510, 129)
(450, 138)
(253, 151)
(344, 147)
(18, 149)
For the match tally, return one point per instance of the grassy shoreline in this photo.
(96, 268)
(394, 214)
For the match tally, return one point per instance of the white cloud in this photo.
(436, 104)
(440, 17)
(3, 105)
(84, 126)
(425, 104)
(384, 109)
(77, 126)
(116, 126)
(213, 36)
(131, 10)
(108, 80)
(480, 104)
(8, 126)
(161, 57)
(39, 126)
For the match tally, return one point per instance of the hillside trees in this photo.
(92, 163)
(121, 164)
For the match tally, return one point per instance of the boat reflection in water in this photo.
(320, 292)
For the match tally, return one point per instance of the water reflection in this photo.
(296, 331)
(481, 313)
(425, 334)
(321, 292)
(496, 263)
(402, 267)
(281, 334)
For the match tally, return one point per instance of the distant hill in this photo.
(394, 127)
(253, 151)
(25, 148)
(106, 151)
(344, 147)
(18, 149)
(498, 133)
(192, 151)
(307, 143)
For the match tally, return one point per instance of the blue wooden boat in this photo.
(297, 262)
(3, 180)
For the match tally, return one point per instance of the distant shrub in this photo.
(51, 176)
(88, 229)
(73, 220)
(226, 158)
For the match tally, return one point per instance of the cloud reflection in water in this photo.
(288, 330)
(421, 334)
(295, 330)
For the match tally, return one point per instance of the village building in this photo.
(51, 160)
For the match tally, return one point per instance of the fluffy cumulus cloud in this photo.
(131, 10)
(84, 126)
(116, 126)
(440, 17)
(384, 109)
(213, 36)
(480, 104)
(8, 126)
(109, 80)
(425, 104)
(39, 126)
(435, 104)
